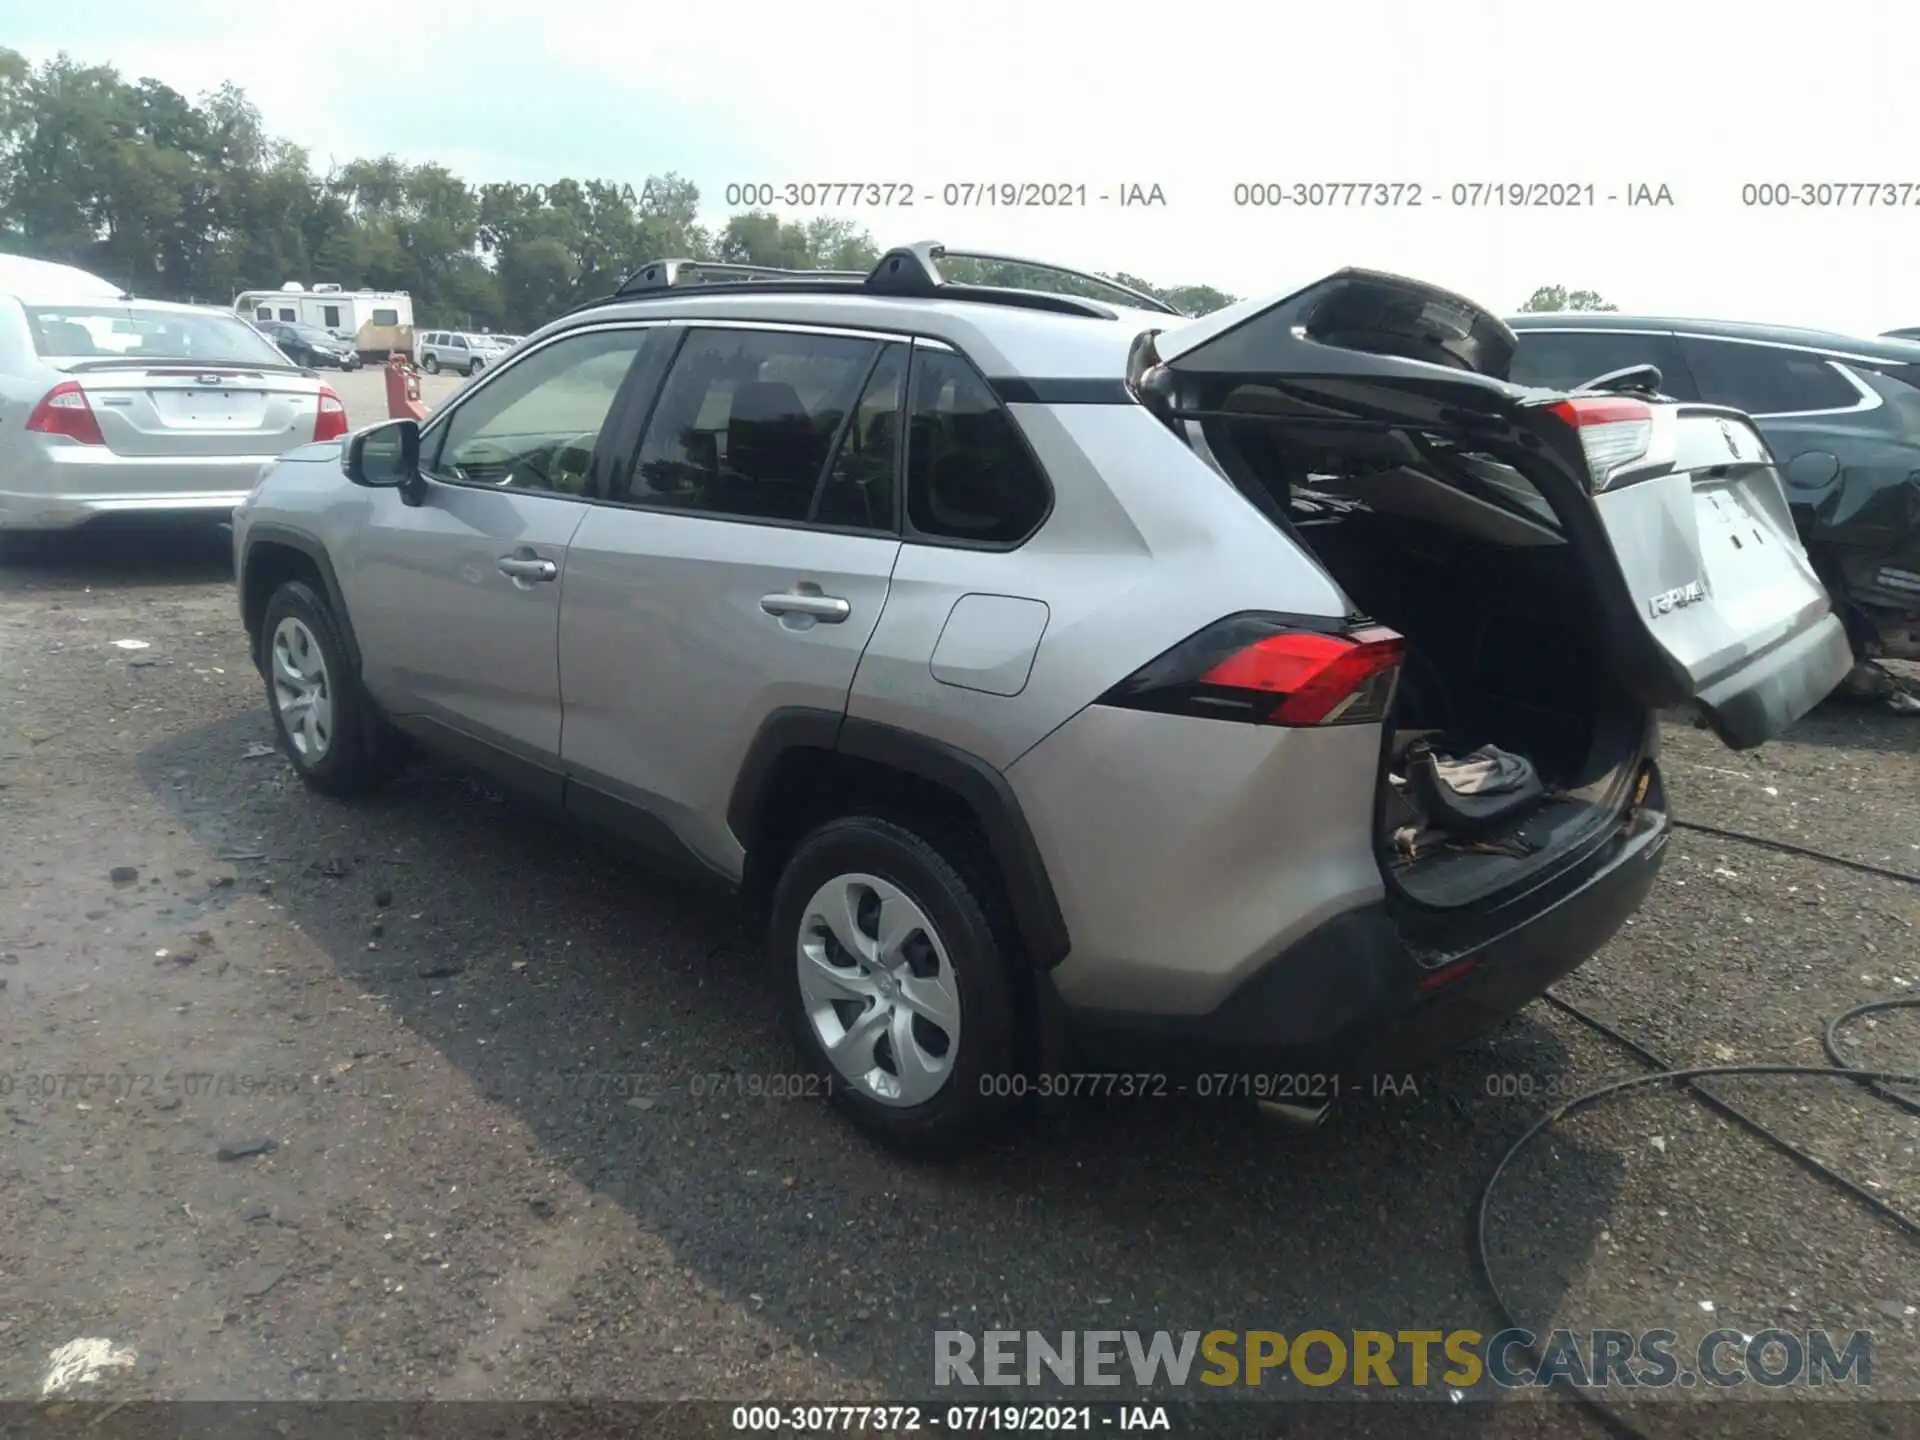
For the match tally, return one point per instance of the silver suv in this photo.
(1079, 686)
(458, 350)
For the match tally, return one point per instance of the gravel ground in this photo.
(474, 1041)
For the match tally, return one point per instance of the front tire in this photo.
(338, 743)
(474, 368)
(894, 975)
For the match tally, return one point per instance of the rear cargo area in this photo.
(1509, 746)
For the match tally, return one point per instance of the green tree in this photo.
(1557, 297)
(193, 199)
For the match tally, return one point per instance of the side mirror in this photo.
(384, 457)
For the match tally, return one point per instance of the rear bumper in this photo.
(66, 486)
(1355, 998)
(1763, 697)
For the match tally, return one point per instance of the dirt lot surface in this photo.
(459, 1058)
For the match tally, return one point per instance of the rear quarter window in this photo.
(970, 476)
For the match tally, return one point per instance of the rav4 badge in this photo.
(1668, 601)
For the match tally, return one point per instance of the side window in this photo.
(458, 342)
(263, 312)
(970, 475)
(287, 315)
(1767, 380)
(386, 317)
(534, 427)
(859, 490)
(332, 312)
(745, 421)
(1564, 359)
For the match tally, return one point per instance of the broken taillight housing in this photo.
(1272, 670)
(1613, 432)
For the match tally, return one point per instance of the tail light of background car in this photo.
(1272, 670)
(64, 410)
(330, 423)
(1613, 432)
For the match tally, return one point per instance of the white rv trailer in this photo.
(377, 321)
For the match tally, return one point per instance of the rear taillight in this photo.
(331, 421)
(1613, 432)
(64, 410)
(1271, 670)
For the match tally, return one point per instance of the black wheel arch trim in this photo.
(981, 787)
(267, 532)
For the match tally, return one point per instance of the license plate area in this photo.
(210, 409)
(1751, 574)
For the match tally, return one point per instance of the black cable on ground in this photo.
(1831, 1040)
(1876, 1082)
(1807, 852)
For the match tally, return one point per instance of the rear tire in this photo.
(910, 1029)
(431, 364)
(338, 743)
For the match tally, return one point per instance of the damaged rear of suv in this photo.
(1529, 578)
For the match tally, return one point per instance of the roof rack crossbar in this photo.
(909, 270)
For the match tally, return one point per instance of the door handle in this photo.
(828, 609)
(520, 567)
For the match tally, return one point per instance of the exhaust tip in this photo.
(1296, 1117)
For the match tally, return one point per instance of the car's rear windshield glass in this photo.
(135, 332)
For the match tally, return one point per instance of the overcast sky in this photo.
(1702, 97)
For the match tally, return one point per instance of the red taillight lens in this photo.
(64, 410)
(1271, 670)
(331, 421)
(1320, 679)
(1613, 432)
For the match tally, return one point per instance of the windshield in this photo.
(138, 332)
(310, 332)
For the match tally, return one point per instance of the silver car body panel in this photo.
(1181, 867)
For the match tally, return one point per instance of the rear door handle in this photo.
(828, 609)
(520, 567)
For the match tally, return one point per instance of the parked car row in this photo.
(1270, 692)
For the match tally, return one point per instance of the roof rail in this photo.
(909, 270)
(668, 274)
(915, 270)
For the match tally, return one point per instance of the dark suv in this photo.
(1842, 415)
